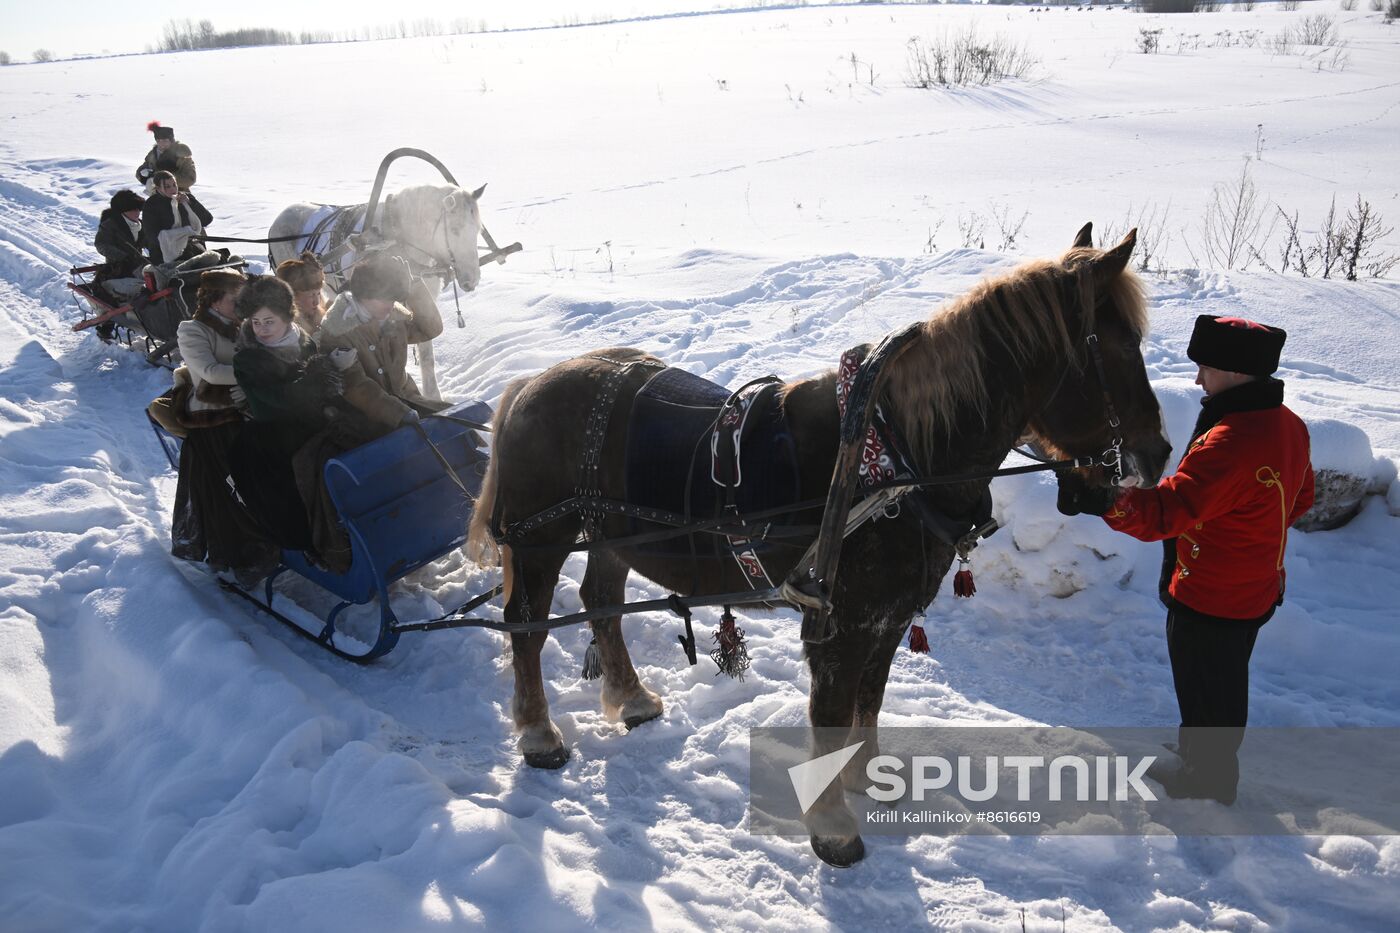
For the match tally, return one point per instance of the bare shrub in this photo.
(931, 244)
(1149, 40)
(1331, 58)
(966, 59)
(1208, 6)
(1318, 258)
(1360, 236)
(971, 228)
(1350, 249)
(1318, 29)
(1008, 226)
(1186, 41)
(4, 58)
(1392, 10)
(1228, 38)
(1281, 44)
(43, 55)
(1289, 6)
(1347, 6)
(1246, 5)
(1233, 218)
(1150, 220)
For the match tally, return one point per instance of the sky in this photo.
(89, 27)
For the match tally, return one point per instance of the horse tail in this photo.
(482, 547)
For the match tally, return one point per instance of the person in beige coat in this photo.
(208, 524)
(371, 320)
(207, 342)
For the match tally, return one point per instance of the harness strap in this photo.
(726, 457)
(595, 432)
(860, 405)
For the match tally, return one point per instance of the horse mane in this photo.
(1024, 312)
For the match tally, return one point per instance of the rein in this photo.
(513, 535)
(240, 239)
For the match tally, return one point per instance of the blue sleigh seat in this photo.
(400, 509)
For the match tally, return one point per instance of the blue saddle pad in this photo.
(669, 461)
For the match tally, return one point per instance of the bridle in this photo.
(431, 267)
(1111, 457)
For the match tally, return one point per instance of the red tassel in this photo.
(918, 641)
(731, 655)
(963, 585)
(151, 127)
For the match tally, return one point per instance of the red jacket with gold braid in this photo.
(1243, 481)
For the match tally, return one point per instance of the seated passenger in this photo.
(370, 320)
(294, 397)
(168, 155)
(207, 342)
(307, 280)
(118, 240)
(172, 222)
(208, 524)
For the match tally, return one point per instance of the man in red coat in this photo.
(1224, 518)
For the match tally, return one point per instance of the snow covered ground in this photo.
(733, 193)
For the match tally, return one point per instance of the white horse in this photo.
(434, 227)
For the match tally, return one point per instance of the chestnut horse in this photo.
(1009, 359)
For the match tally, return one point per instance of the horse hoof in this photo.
(551, 760)
(842, 852)
(639, 707)
(632, 722)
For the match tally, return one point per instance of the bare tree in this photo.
(1232, 221)
(4, 58)
(43, 55)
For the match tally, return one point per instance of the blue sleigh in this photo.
(402, 508)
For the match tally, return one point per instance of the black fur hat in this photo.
(127, 200)
(161, 132)
(264, 291)
(1236, 345)
(381, 276)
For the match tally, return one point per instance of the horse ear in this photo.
(476, 195)
(1112, 263)
(1085, 236)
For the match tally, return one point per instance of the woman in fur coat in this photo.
(300, 417)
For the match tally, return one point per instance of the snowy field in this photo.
(734, 193)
